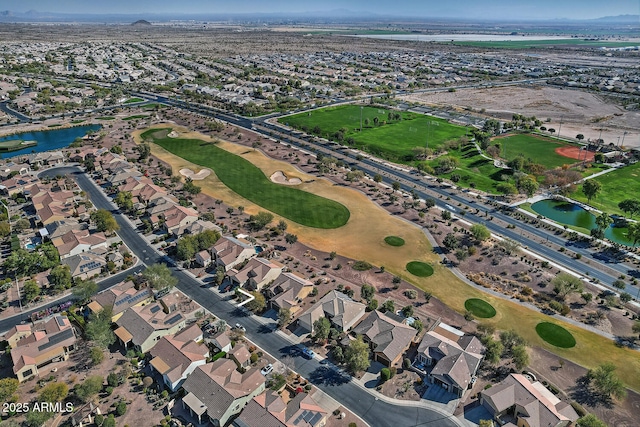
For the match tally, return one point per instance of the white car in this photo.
(267, 370)
(239, 326)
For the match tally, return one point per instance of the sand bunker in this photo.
(173, 134)
(280, 178)
(195, 176)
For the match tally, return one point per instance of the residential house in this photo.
(57, 229)
(198, 227)
(229, 252)
(217, 391)
(45, 342)
(120, 297)
(256, 274)
(240, 355)
(269, 410)
(175, 357)
(453, 356)
(342, 311)
(517, 401)
(178, 216)
(388, 338)
(142, 326)
(221, 341)
(287, 291)
(203, 258)
(75, 242)
(84, 266)
(17, 184)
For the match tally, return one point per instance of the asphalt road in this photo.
(330, 380)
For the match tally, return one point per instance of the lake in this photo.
(53, 139)
(571, 214)
(460, 37)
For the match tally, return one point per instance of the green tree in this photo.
(511, 339)
(284, 315)
(8, 386)
(124, 200)
(105, 221)
(282, 225)
(388, 306)
(160, 277)
(260, 220)
(591, 188)
(321, 328)
(395, 185)
(84, 289)
(37, 418)
(590, 420)
(54, 392)
(450, 241)
(446, 215)
(493, 350)
(30, 290)
(60, 277)
(110, 421)
(528, 185)
(630, 206)
(367, 292)
(480, 232)
(356, 355)
(186, 248)
(290, 238)
(89, 388)
(606, 382)
(121, 408)
(520, 356)
(372, 305)
(407, 311)
(565, 284)
(5, 229)
(98, 328)
(258, 303)
(97, 355)
(633, 232)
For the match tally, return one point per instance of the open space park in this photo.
(540, 149)
(371, 224)
(250, 182)
(480, 308)
(388, 133)
(618, 185)
(555, 335)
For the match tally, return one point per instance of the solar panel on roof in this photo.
(64, 335)
(316, 418)
(174, 319)
(60, 321)
(155, 309)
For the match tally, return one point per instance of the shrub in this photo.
(393, 370)
(411, 293)
(555, 306)
(406, 363)
(385, 374)
(121, 408)
(362, 266)
(254, 357)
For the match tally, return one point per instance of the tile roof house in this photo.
(388, 338)
(176, 356)
(75, 242)
(198, 227)
(269, 410)
(122, 296)
(241, 355)
(518, 401)
(143, 326)
(85, 265)
(217, 391)
(178, 216)
(44, 342)
(203, 258)
(221, 341)
(229, 251)
(256, 274)
(342, 311)
(455, 357)
(287, 291)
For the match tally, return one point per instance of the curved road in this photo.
(326, 377)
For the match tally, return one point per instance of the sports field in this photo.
(617, 185)
(392, 139)
(250, 182)
(538, 148)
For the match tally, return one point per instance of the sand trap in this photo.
(173, 134)
(195, 176)
(280, 178)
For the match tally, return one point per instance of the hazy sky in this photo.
(483, 9)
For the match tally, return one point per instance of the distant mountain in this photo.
(141, 23)
(619, 19)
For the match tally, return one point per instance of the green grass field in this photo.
(555, 335)
(132, 100)
(137, 116)
(480, 308)
(617, 185)
(394, 140)
(250, 182)
(105, 118)
(538, 148)
(420, 269)
(394, 241)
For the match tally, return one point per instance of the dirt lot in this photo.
(580, 112)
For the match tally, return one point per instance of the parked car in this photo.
(267, 370)
(308, 353)
(239, 326)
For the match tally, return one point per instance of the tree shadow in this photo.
(329, 376)
(582, 393)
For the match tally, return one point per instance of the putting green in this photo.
(420, 269)
(394, 241)
(251, 183)
(555, 335)
(480, 308)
